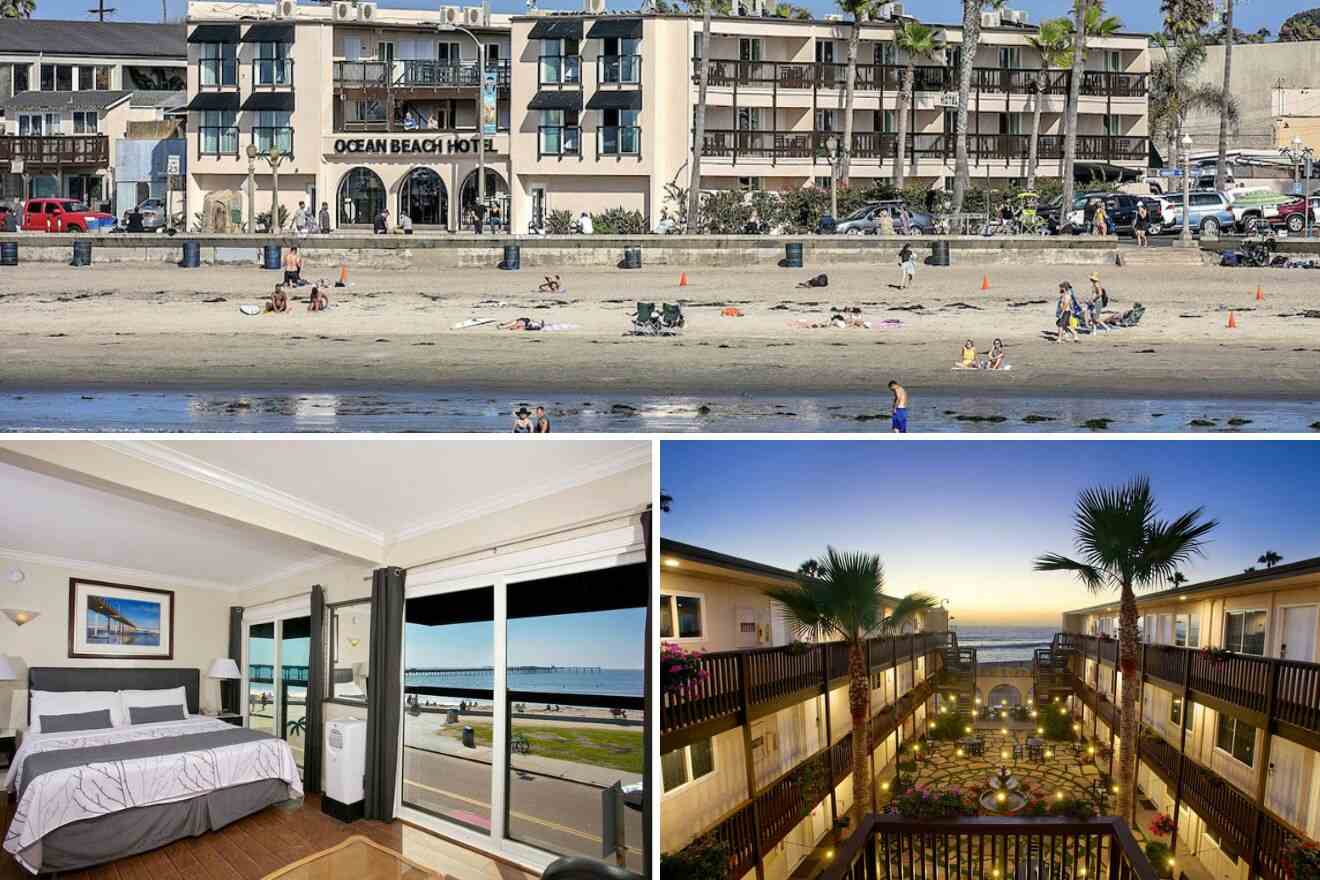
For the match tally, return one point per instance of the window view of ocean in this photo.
(1003, 642)
(548, 679)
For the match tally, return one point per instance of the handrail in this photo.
(56, 149)
(784, 144)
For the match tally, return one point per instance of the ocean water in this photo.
(614, 682)
(1004, 642)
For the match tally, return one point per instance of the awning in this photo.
(214, 101)
(610, 100)
(214, 33)
(269, 101)
(604, 589)
(624, 28)
(556, 29)
(269, 33)
(556, 100)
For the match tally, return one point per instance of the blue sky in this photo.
(141, 614)
(1139, 15)
(965, 519)
(612, 639)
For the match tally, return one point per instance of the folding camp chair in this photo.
(647, 320)
(671, 316)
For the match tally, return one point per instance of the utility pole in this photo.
(101, 10)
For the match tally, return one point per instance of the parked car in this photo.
(7, 217)
(1155, 214)
(866, 221)
(153, 215)
(1290, 216)
(1210, 212)
(64, 215)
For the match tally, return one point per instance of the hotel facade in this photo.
(377, 108)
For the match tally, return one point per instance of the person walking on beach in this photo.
(898, 422)
(907, 262)
(324, 219)
(1065, 313)
(1140, 224)
(1101, 221)
(542, 421)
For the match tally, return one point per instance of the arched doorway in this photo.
(497, 198)
(424, 198)
(361, 197)
(1005, 694)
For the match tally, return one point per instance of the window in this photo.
(219, 64)
(950, 121)
(102, 77)
(560, 63)
(1175, 711)
(1114, 61)
(1244, 632)
(687, 764)
(1187, 630)
(272, 130)
(749, 118)
(84, 122)
(366, 110)
(824, 120)
(560, 135)
(1237, 738)
(749, 49)
(696, 46)
(888, 121)
(620, 135)
(350, 651)
(1010, 57)
(745, 184)
(684, 613)
(218, 135)
(273, 67)
(37, 124)
(1113, 125)
(57, 77)
(20, 80)
(885, 53)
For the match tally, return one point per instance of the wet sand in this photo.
(131, 326)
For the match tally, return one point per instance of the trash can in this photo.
(451, 717)
(793, 255)
(512, 258)
(632, 258)
(939, 253)
(271, 258)
(192, 255)
(469, 737)
(9, 253)
(82, 253)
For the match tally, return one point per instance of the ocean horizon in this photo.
(1003, 642)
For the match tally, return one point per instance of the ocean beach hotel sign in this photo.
(409, 145)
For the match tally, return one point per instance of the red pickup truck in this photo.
(64, 215)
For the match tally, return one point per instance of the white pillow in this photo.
(69, 702)
(164, 697)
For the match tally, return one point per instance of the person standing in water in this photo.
(521, 422)
(898, 423)
(542, 421)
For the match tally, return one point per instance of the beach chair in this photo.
(671, 316)
(520, 744)
(1132, 317)
(646, 321)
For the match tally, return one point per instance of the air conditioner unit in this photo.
(366, 12)
(286, 8)
(898, 10)
(451, 15)
(473, 16)
(593, 7)
(343, 10)
(345, 768)
(990, 20)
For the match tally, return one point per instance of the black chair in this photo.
(582, 868)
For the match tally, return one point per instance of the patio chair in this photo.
(1035, 752)
(520, 744)
(671, 316)
(646, 321)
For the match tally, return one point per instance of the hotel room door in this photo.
(276, 662)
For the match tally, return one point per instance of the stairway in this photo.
(1162, 256)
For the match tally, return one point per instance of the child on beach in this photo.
(907, 261)
(318, 301)
(969, 355)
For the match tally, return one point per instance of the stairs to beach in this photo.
(1161, 256)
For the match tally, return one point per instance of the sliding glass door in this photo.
(523, 710)
(276, 662)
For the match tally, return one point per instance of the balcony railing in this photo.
(217, 140)
(265, 136)
(415, 74)
(619, 140)
(51, 151)
(217, 73)
(559, 140)
(744, 144)
(726, 73)
(272, 73)
(554, 70)
(619, 69)
(896, 848)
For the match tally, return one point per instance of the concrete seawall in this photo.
(454, 251)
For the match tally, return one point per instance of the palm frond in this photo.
(905, 610)
(842, 597)
(1089, 575)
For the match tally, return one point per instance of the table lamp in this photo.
(224, 669)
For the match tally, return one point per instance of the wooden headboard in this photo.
(114, 678)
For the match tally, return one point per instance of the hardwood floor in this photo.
(253, 847)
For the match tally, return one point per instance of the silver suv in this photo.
(153, 215)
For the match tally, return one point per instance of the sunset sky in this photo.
(964, 519)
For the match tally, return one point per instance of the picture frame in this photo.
(109, 621)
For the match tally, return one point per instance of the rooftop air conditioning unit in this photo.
(594, 7)
(366, 12)
(473, 16)
(898, 10)
(286, 8)
(343, 10)
(990, 20)
(451, 15)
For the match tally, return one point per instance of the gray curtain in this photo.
(384, 692)
(315, 693)
(230, 698)
(647, 709)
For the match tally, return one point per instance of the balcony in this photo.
(1006, 148)
(558, 140)
(387, 76)
(729, 73)
(897, 848)
(619, 140)
(264, 138)
(217, 73)
(46, 152)
(619, 70)
(272, 73)
(217, 140)
(559, 70)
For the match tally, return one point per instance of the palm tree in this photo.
(971, 41)
(1089, 20)
(809, 568)
(791, 11)
(1175, 94)
(1177, 579)
(1221, 162)
(1124, 545)
(1186, 17)
(17, 8)
(1269, 558)
(699, 116)
(917, 42)
(846, 599)
(860, 10)
(1054, 43)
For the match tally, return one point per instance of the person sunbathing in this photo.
(997, 354)
(549, 285)
(279, 301)
(523, 324)
(318, 301)
(969, 355)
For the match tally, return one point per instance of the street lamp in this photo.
(481, 133)
(1187, 190)
(832, 148)
(1303, 158)
(252, 189)
(274, 156)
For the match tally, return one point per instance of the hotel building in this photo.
(370, 109)
(603, 107)
(74, 95)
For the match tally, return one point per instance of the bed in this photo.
(94, 794)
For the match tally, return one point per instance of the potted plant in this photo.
(1161, 825)
(1160, 857)
(797, 647)
(706, 858)
(680, 669)
(1301, 859)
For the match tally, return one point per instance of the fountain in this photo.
(1003, 797)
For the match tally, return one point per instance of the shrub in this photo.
(1302, 858)
(724, 212)
(706, 858)
(947, 727)
(617, 221)
(923, 802)
(679, 669)
(1058, 726)
(560, 222)
(263, 219)
(1158, 854)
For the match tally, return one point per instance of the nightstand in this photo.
(8, 745)
(230, 718)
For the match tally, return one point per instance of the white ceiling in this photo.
(398, 486)
(51, 517)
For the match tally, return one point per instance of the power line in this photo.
(101, 10)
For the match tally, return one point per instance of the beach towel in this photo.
(250, 309)
(472, 322)
(1003, 369)
(731, 312)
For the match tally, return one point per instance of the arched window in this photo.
(361, 197)
(424, 198)
(497, 199)
(1005, 694)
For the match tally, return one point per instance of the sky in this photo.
(963, 520)
(1137, 15)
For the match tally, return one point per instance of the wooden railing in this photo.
(52, 151)
(738, 144)
(896, 848)
(416, 74)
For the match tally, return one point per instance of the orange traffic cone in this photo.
(1260, 294)
(343, 275)
(1232, 321)
(985, 282)
(682, 279)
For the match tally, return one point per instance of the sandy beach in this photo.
(124, 325)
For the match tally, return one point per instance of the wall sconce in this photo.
(20, 617)
(355, 642)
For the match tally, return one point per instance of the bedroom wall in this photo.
(45, 641)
